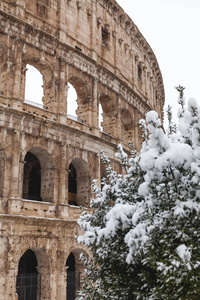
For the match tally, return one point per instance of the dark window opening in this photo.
(71, 277)
(105, 36)
(78, 48)
(72, 185)
(32, 178)
(28, 279)
(139, 72)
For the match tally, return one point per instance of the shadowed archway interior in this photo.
(71, 277)
(32, 178)
(27, 284)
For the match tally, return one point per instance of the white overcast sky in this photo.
(172, 29)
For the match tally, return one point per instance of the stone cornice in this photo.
(27, 220)
(59, 127)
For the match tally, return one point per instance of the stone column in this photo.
(21, 176)
(17, 78)
(54, 283)
(62, 93)
(114, 35)
(62, 282)
(51, 95)
(90, 111)
(3, 279)
(10, 292)
(6, 176)
(84, 110)
(136, 129)
(63, 175)
(56, 190)
(95, 108)
(97, 169)
(45, 282)
(118, 128)
(14, 178)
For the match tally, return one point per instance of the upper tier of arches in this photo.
(98, 30)
(99, 104)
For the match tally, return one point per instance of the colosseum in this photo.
(48, 157)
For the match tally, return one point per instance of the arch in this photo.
(82, 90)
(75, 268)
(32, 178)
(38, 178)
(106, 102)
(33, 86)
(127, 125)
(28, 279)
(46, 75)
(79, 183)
(71, 277)
(33, 278)
(80, 86)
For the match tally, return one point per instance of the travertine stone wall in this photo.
(96, 47)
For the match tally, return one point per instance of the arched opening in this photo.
(127, 126)
(71, 102)
(71, 277)
(75, 269)
(100, 117)
(38, 180)
(79, 183)
(28, 279)
(32, 178)
(33, 86)
(78, 99)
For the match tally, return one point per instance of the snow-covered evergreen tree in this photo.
(143, 232)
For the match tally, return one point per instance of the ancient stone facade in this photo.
(48, 159)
